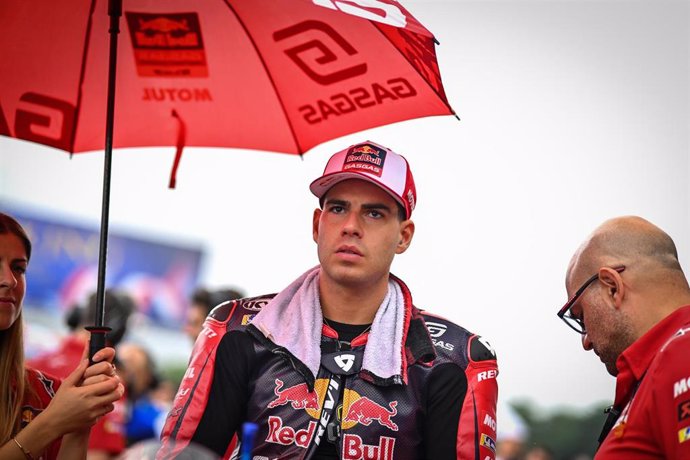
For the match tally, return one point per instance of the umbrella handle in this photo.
(97, 340)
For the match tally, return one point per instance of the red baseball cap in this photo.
(375, 164)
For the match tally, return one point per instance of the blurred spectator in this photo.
(107, 436)
(511, 434)
(539, 453)
(202, 302)
(149, 397)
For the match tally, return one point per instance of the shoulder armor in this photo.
(481, 349)
(235, 313)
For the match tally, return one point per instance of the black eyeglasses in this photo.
(574, 322)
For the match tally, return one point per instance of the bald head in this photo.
(630, 241)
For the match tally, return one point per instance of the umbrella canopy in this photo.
(277, 75)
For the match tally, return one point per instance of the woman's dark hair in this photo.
(9, 225)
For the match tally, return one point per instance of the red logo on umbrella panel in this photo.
(298, 396)
(364, 411)
(326, 65)
(167, 45)
(43, 119)
(366, 158)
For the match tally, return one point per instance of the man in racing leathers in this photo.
(341, 364)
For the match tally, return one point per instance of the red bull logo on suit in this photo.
(357, 409)
(298, 396)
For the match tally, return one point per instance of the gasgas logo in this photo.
(357, 409)
(327, 58)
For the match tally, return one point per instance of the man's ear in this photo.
(613, 282)
(315, 224)
(406, 234)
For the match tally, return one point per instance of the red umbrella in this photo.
(276, 75)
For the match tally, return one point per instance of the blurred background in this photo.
(571, 112)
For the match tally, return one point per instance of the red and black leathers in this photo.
(236, 374)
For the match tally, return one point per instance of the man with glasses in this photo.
(630, 301)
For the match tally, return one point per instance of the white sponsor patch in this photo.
(681, 386)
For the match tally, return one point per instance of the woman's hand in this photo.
(85, 395)
(102, 367)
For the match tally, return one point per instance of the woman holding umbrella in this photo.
(41, 417)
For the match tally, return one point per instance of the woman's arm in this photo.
(85, 395)
(34, 439)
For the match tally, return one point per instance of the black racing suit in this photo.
(443, 409)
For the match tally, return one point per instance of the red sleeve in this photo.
(477, 424)
(671, 396)
(192, 396)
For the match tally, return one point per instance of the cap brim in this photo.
(324, 183)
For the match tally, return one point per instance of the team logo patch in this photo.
(436, 330)
(681, 386)
(167, 44)
(366, 158)
(279, 433)
(487, 441)
(363, 410)
(28, 414)
(354, 448)
(356, 409)
(683, 434)
(298, 396)
(345, 361)
(255, 304)
(47, 384)
(490, 422)
(684, 410)
(246, 319)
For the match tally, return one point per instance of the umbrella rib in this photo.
(442, 98)
(300, 150)
(77, 108)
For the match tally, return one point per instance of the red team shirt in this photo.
(653, 390)
(41, 392)
(109, 433)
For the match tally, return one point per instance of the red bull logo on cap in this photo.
(366, 158)
(167, 44)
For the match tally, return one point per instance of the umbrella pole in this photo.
(98, 330)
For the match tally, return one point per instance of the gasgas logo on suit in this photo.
(358, 410)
